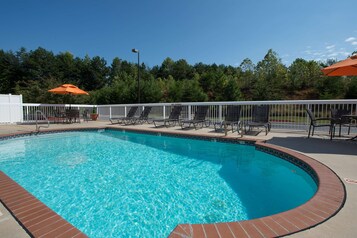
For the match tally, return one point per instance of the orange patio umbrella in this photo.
(68, 89)
(347, 67)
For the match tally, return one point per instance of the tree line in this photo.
(32, 73)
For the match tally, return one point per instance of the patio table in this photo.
(72, 115)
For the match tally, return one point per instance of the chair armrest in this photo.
(324, 119)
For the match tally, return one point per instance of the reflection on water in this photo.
(12, 150)
(71, 159)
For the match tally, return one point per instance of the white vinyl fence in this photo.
(290, 115)
(51, 110)
(10, 108)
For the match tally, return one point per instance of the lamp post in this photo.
(137, 51)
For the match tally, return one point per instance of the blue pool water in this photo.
(123, 184)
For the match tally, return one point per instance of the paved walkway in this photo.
(339, 155)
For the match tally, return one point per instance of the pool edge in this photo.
(327, 202)
(37, 219)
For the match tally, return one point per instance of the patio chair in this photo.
(74, 115)
(314, 122)
(231, 118)
(173, 117)
(352, 122)
(260, 118)
(141, 119)
(60, 115)
(129, 115)
(199, 118)
(85, 115)
(337, 118)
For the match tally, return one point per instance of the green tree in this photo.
(192, 92)
(247, 78)
(39, 64)
(173, 90)
(68, 68)
(272, 76)
(231, 90)
(151, 91)
(10, 71)
(182, 70)
(94, 73)
(352, 89)
(166, 68)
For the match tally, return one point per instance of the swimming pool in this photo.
(122, 183)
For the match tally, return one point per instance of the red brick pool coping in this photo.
(40, 221)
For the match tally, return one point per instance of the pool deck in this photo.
(339, 155)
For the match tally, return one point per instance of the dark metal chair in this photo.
(174, 117)
(60, 115)
(337, 118)
(199, 118)
(231, 118)
(85, 115)
(260, 118)
(314, 122)
(72, 115)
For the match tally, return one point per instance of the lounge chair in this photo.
(199, 118)
(140, 119)
(260, 118)
(314, 123)
(232, 118)
(173, 117)
(129, 115)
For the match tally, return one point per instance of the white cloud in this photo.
(331, 50)
(333, 54)
(349, 39)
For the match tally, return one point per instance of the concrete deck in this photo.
(339, 155)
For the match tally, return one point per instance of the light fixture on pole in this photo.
(137, 51)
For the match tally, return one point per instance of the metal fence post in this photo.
(220, 112)
(189, 112)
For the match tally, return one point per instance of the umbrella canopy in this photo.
(347, 67)
(68, 89)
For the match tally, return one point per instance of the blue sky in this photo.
(208, 31)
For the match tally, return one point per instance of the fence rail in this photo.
(283, 114)
(50, 110)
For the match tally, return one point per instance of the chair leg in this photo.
(308, 135)
(332, 134)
